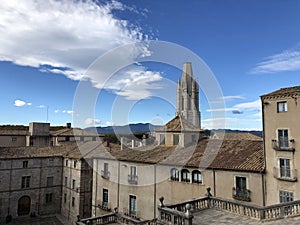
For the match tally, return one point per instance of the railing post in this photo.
(189, 214)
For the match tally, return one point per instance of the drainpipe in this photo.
(214, 180)
(96, 193)
(40, 185)
(154, 197)
(118, 194)
(263, 189)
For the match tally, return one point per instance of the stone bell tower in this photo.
(188, 96)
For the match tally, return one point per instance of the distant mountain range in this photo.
(148, 127)
(126, 129)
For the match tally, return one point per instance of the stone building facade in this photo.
(30, 181)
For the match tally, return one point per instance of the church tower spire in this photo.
(188, 96)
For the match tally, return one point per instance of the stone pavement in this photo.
(212, 217)
(51, 220)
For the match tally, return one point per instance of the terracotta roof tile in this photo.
(13, 132)
(243, 155)
(178, 124)
(235, 136)
(70, 132)
(290, 91)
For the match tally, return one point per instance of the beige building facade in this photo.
(281, 125)
(134, 180)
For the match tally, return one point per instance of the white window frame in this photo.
(282, 106)
(283, 194)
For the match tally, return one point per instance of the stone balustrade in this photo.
(182, 213)
(176, 213)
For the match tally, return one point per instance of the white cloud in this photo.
(41, 106)
(20, 103)
(288, 60)
(240, 108)
(56, 110)
(65, 37)
(90, 121)
(221, 110)
(135, 83)
(232, 97)
(232, 123)
(108, 123)
(70, 112)
(255, 105)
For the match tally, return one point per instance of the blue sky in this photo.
(47, 47)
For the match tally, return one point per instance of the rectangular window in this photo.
(73, 184)
(73, 201)
(281, 106)
(66, 181)
(49, 181)
(132, 205)
(49, 197)
(25, 182)
(51, 162)
(285, 196)
(133, 171)
(25, 164)
(283, 138)
(105, 197)
(241, 183)
(105, 167)
(174, 174)
(67, 162)
(285, 168)
(14, 139)
(132, 177)
(162, 139)
(65, 198)
(240, 190)
(175, 139)
(75, 163)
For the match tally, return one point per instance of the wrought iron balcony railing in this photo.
(105, 174)
(284, 173)
(283, 145)
(132, 179)
(241, 194)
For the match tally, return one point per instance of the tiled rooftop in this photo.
(70, 132)
(244, 155)
(290, 91)
(178, 124)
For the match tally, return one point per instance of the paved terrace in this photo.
(212, 217)
(47, 220)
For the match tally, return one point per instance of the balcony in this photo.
(285, 174)
(132, 179)
(241, 194)
(105, 206)
(130, 213)
(284, 145)
(105, 174)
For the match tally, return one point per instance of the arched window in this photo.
(185, 175)
(174, 174)
(196, 177)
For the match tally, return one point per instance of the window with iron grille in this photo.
(286, 196)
